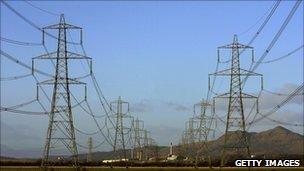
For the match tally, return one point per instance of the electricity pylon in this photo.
(206, 125)
(90, 147)
(121, 110)
(239, 145)
(60, 127)
(146, 144)
(190, 130)
(205, 121)
(138, 126)
(189, 137)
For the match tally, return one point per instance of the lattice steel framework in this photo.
(206, 126)
(90, 147)
(60, 127)
(190, 130)
(138, 132)
(120, 109)
(147, 140)
(239, 144)
(206, 122)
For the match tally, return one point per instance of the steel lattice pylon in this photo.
(235, 115)
(138, 130)
(60, 128)
(190, 130)
(147, 144)
(90, 147)
(205, 121)
(204, 129)
(117, 107)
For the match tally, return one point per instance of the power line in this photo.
(281, 94)
(95, 83)
(100, 97)
(32, 23)
(264, 23)
(276, 37)
(23, 64)
(43, 10)
(94, 147)
(252, 26)
(22, 104)
(284, 56)
(254, 106)
(14, 109)
(15, 77)
(98, 126)
(280, 122)
(22, 43)
(85, 133)
(274, 8)
(277, 107)
(283, 26)
(97, 88)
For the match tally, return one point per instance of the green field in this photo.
(25, 168)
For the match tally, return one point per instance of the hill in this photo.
(273, 142)
(278, 141)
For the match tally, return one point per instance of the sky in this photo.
(155, 55)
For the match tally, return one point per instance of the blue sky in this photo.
(156, 55)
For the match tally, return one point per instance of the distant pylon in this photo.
(146, 144)
(120, 112)
(238, 145)
(137, 132)
(206, 126)
(205, 120)
(60, 128)
(189, 138)
(90, 147)
(190, 130)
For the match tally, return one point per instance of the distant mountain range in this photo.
(276, 141)
(273, 142)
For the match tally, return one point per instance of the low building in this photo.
(114, 160)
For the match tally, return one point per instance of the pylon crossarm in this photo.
(73, 55)
(62, 81)
(225, 95)
(245, 72)
(245, 95)
(235, 45)
(61, 26)
(227, 72)
(69, 55)
(223, 72)
(51, 55)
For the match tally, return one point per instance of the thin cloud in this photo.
(142, 106)
(177, 107)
